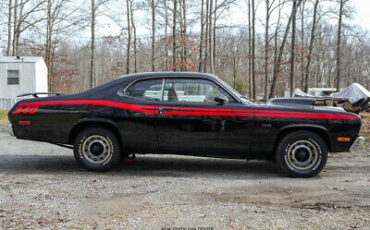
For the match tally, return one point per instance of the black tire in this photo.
(301, 154)
(97, 149)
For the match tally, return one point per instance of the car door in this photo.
(137, 124)
(191, 122)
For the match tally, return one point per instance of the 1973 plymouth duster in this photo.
(185, 113)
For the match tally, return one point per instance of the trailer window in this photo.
(13, 77)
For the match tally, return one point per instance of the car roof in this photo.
(167, 74)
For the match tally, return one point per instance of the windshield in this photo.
(236, 93)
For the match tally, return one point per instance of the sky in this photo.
(361, 16)
(237, 16)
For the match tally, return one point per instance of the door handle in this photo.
(165, 109)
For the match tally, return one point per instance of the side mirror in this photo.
(221, 99)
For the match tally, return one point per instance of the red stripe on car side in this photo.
(122, 105)
(209, 113)
(194, 111)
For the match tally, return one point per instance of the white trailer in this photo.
(19, 75)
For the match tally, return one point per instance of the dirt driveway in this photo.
(42, 187)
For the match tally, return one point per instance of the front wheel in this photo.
(301, 154)
(97, 149)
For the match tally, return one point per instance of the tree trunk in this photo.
(174, 36)
(253, 51)
(292, 57)
(276, 36)
(92, 50)
(266, 47)
(302, 56)
(19, 22)
(210, 37)
(135, 38)
(249, 50)
(339, 44)
(235, 53)
(214, 36)
(201, 37)
(310, 49)
(48, 43)
(128, 53)
(9, 28)
(184, 36)
(15, 21)
(206, 38)
(166, 33)
(153, 34)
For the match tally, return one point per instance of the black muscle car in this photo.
(185, 113)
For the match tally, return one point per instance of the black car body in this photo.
(168, 112)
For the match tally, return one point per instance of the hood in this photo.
(292, 102)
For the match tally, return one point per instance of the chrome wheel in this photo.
(96, 149)
(303, 154)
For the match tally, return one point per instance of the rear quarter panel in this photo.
(49, 123)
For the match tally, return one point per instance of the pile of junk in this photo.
(355, 98)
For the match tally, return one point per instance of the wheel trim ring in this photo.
(96, 139)
(313, 158)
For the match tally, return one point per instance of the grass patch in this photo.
(3, 113)
(3, 117)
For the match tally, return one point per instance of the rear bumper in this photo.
(360, 141)
(11, 131)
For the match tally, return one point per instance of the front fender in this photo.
(318, 129)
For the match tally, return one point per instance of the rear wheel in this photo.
(97, 149)
(301, 154)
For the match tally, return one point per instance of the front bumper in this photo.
(360, 141)
(11, 131)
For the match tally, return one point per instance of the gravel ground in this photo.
(42, 187)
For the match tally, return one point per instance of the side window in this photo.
(146, 89)
(193, 90)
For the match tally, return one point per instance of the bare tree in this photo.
(61, 19)
(183, 25)
(135, 37)
(269, 10)
(153, 8)
(9, 27)
(310, 49)
(210, 40)
(249, 50)
(92, 46)
(26, 16)
(174, 35)
(253, 51)
(184, 47)
(277, 66)
(206, 37)
(48, 41)
(339, 39)
(128, 37)
(201, 36)
(292, 58)
(302, 52)
(214, 37)
(166, 32)
(15, 22)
